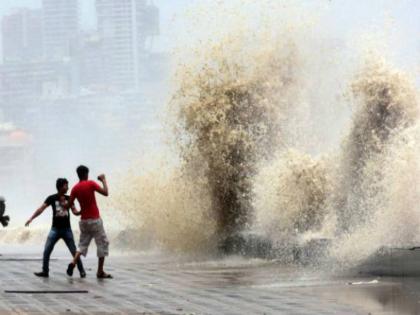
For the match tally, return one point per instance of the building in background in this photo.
(27, 86)
(22, 36)
(124, 27)
(61, 28)
(103, 83)
(92, 63)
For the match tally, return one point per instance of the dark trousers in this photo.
(53, 237)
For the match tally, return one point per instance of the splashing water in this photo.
(231, 104)
(240, 111)
(393, 207)
(229, 116)
(386, 105)
(166, 209)
(291, 195)
(379, 166)
(230, 109)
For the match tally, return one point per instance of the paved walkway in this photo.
(151, 285)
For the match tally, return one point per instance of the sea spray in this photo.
(167, 209)
(233, 99)
(290, 196)
(229, 112)
(385, 105)
(362, 197)
(394, 212)
(238, 99)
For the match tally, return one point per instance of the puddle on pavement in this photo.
(369, 294)
(390, 296)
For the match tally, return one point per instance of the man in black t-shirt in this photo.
(61, 228)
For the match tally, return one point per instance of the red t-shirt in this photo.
(84, 192)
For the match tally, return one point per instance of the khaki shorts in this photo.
(93, 228)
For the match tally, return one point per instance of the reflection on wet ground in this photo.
(370, 294)
(388, 296)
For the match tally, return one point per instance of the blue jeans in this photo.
(53, 237)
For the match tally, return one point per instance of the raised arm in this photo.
(104, 189)
(36, 213)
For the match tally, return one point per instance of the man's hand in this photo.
(75, 212)
(104, 189)
(101, 178)
(36, 213)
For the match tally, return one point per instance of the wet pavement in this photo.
(157, 284)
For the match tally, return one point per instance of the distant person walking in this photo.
(91, 225)
(61, 228)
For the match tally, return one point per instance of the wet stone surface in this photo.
(150, 284)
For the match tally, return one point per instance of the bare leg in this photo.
(101, 273)
(101, 261)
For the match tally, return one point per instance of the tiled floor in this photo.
(149, 285)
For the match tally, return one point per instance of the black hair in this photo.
(60, 183)
(82, 172)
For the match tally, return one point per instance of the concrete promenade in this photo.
(153, 284)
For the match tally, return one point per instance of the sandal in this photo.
(104, 276)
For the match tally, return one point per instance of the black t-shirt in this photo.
(61, 215)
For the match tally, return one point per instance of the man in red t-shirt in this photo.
(91, 225)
